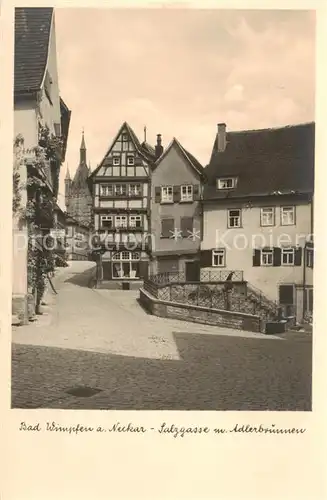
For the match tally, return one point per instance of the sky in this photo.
(180, 73)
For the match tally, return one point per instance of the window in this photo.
(106, 190)
(288, 256)
(130, 160)
(126, 265)
(107, 221)
(187, 227)
(121, 221)
(267, 216)
(227, 183)
(234, 218)
(218, 258)
(167, 194)
(134, 190)
(135, 221)
(125, 137)
(187, 193)
(287, 216)
(120, 189)
(167, 228)
(267, 257)
(116, 160)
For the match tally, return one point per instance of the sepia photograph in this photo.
(163, 209)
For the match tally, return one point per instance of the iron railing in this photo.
(172, 287)
(206, 276)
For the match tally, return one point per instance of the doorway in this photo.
(286, 299)
(192, 270)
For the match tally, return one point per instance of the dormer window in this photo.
(226, 183)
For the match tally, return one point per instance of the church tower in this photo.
(78, 197)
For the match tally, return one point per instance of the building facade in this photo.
(176, 218)
(77, 240)
(258, 212)
(121, 202)
(37, 104)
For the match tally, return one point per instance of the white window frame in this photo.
(219, 253)
(187, 195)
(107, 218)
(234, 217)
(135, 218)
(288, 252)
(267, 211)
(132, 192)
(266, 253)
(120, 218)
(124, 257)
(105, 188)
(222, 183)
(287, 210)
(130, 160)
(116, 161)
(166, 196)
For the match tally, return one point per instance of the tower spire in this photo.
(83, 149)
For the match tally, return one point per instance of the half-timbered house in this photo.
(121, 194)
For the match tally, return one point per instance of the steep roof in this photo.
(266, 161)
(191, 159)
(32, 34)
(80, 177)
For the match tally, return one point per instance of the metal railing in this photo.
(240, 297)
(206, 276)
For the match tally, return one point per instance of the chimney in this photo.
(158, 148)
(221, 137)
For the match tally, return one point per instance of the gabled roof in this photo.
(143, 150)
(32, 34)
(266, 161)
(195, 164)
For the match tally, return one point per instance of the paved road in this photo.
(103, 340)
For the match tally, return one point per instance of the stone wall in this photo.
(199, 314)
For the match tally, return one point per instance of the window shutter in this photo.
(157, 194)
(167, 225)
(206, 258)
(196, 191)
(277, 257)
(298, 256)
(186, 226)
(176, 194)
(256, 258)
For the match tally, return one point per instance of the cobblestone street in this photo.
(103, 340)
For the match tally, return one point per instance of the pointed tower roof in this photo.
(67, 178)
(82, 171)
